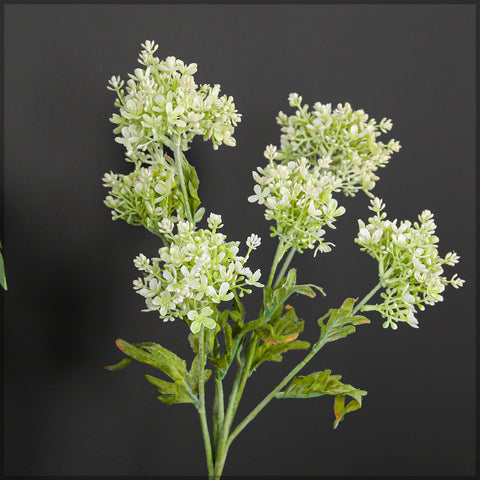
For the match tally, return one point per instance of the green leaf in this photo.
(274, 298)
(192, 377)
(192, 183)
(281, 328)
(227, 332)
(340, 322)
(121, 364)
(323, 383)
(209, 337)
(273, 352)
(156, 356)
(3, 278)
(180, 391)
(233, 336)
(171, 392)
(248, 327)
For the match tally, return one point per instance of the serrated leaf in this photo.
(171, 392)
(274, 298)
(248, 327)
(323, 383)
(156, 356)
(268, 352)
(341, 410)
(182, 390)
(159, 357)
(192, 377)
(340, 322)
(281, 328)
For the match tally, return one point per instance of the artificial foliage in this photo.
(200, 277)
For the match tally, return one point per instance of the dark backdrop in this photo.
(70, 269)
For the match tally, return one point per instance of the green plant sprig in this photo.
(200, 277)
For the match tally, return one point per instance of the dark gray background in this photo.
(70, 269)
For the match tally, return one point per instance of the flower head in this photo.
(298, 197)
(198, 270)
(162, 104)
(347, 137)
(148, 196)
(409, 264)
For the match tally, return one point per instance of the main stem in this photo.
(243, 374)
(222, 448)
(218, 413)
(201, 406)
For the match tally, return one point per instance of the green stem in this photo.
(252, 348)
(201, 406)
(218, 412)
(276, 260)
(222, 447)
(285, 265)
(366, 298)
(179, 163)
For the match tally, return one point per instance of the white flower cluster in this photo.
(145, 196)
(162, 104)
(298, 197)
(409, 264)
(197, 270)
(345, 135)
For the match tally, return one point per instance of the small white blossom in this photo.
(456, 281)
(115, 83)
(451, 258)
(142, 262)
(294, 99)
(253, 241)
(260, 195)
(214, 221)
(201, 318)
(252, 279)
(270, 152)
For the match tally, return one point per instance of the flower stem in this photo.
(276, 260)
(201, 406)
(179, 164)
(218, 412)
(222, 447)
(285, 265)
(367, 297)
